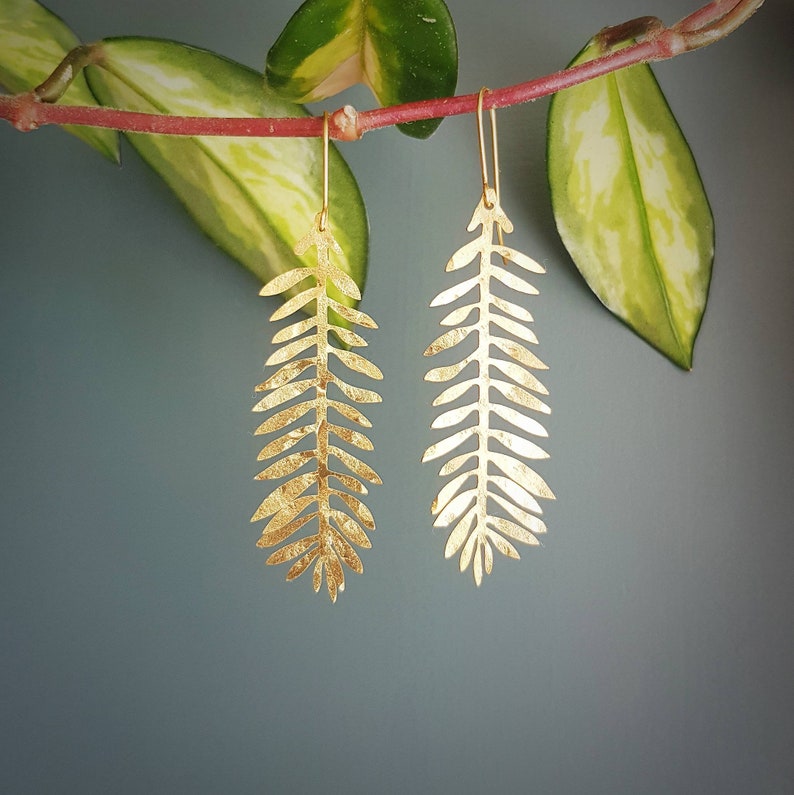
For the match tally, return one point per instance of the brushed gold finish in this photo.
(494, 500)
(314, 494)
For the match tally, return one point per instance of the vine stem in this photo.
(712, 22)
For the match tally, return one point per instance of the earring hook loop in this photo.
(494, 149)
(324, 211)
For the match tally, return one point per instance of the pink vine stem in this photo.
(655, 42)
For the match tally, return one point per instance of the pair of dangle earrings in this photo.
(492, 497)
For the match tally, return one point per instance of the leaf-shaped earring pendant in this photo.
(315, 495)
(493, 499)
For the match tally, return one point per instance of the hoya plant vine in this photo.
(627, 198)
(251, 166)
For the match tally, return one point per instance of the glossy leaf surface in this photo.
(630, 206)
(254, 197)
(33, 41)
(404, 50)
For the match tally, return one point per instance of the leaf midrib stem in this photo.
(636, 184)
(321, 416)
(483, 400)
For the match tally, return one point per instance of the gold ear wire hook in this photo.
(494, 158)
(324, 211)
(481, 141)
(494, 149)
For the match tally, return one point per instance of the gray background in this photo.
(646, 648)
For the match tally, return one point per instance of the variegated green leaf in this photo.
(33, 41)
(404, 50)
(630, 205)
(255, 197)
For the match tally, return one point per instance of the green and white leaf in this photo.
(33, 41)
(630, 205)
(255, 197)
(404, 50)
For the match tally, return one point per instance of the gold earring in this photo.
(494, 475)
(317, 492)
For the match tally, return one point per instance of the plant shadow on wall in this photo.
(252, 167)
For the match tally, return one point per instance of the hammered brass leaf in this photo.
(289, 506)
(526, 424)
(452, 417)
(489, 479)
(454, 392)
(294, 330)
(516, 329)
(351, 412)
(284, 417)
(446, 373)
(355, 393)
(284, 394)
(513, 282)
(285, 280)
(509, 308)
(458, 315)
(357, 363)
(520, 376)
(353, 315)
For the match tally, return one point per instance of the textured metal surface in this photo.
(467, 501)
(340, 518)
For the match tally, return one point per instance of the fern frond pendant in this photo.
(316, 495)
(320, 492)
(493, 475)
